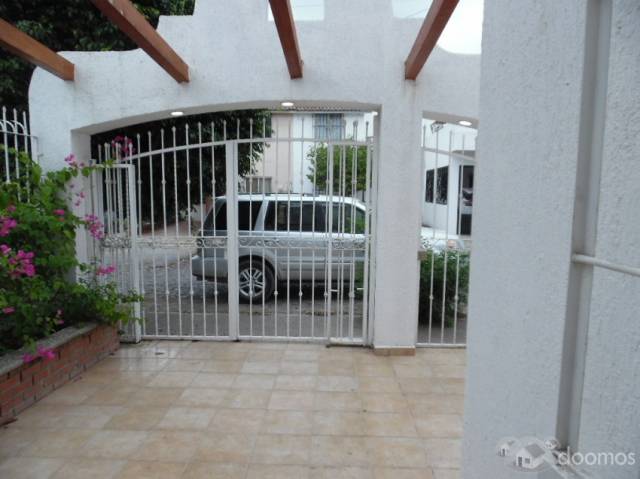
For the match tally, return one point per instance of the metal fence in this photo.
(448, 168)
(180, 204)
(17, 143)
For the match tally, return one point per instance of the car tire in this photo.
(254, 281)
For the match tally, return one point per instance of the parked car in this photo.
(284, 237)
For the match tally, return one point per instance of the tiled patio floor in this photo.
(246, 410)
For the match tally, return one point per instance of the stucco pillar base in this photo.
(394, 351)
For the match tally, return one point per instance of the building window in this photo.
(327, 126)
(429, 187)
(442, 189)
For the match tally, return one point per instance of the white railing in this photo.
(15, 141)
(448, 159)
(304, 277)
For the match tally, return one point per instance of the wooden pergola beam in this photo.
(431, 29)
(283, 18)
(23, 46)
(126, 17)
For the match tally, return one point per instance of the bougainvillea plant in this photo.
(39, 292)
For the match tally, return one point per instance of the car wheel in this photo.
(254, 281)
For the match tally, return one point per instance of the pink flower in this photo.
(104, 270)
(94, 226)
(11, 208)
(28, 357)
(4, 249)
(22, 264)
(6, 225)
(46, 354)
(8, 310)
(59, 212)
(71, 160)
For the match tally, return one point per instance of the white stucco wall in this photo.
(355, 57)
(537, 106)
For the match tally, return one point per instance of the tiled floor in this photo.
(246, 410)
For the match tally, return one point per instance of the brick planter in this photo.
(76, 349)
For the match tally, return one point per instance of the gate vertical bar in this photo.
(231, 158)
(133, 235)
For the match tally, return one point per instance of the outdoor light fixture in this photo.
(287, 104)
(465, 123)
(436, 126)
(177, 113)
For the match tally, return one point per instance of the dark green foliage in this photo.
(344, 167)
(436, 264)
(67, 25)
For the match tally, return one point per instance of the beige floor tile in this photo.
(389, 424)
(111, 396)
(178, 418)
(190, 365)
(412, 370)
(287, 422)
(155, 397)
(291, 400)
(137, 418)
(14, 439)
(337, 401)
(29, 467)
(151, 470)
(424, 405)
(440, 425)
(375, 370)
(147, 364)
(210, 470)
(296, 382)
(337, 383)
(122, 378)
(224, 448)
(266, 367)
(228, 367)
(381, 402)
(339, 451)
(338, 423)
(39, 416)
(308, 368)
(213, 380)
(71, 394)
(176, 379)
(451, 385)
(266, 471)
(89, 468)
(265, 356)
(238, 421)
(379, 384)
(229, 355)
(396, 452)
(448, 371)
(254, 381)
(112, 364)
(402, 473)
(301, 355)
(447, 474)
(342, 472)
(247, 399)
(58, 442)
(171, 446)
(118, 444)
(421, 385)
(202, 397)
(443, 453)
(335, 367)
(281, 449)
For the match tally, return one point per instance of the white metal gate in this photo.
(294, 211)
(448, 154)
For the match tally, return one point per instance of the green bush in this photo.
(434, 266)
(37, 258)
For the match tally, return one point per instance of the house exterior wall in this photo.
(354, 58)
(539, 105)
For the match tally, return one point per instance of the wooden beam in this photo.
(431, 29)
(283, 18)
(126, 17)
(22, 45)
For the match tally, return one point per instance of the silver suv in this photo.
(284, 237)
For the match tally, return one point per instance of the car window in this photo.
(288, 216)
(248, 212)
(346, 221)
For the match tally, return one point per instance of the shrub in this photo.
(37, 257)
(436, 261)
